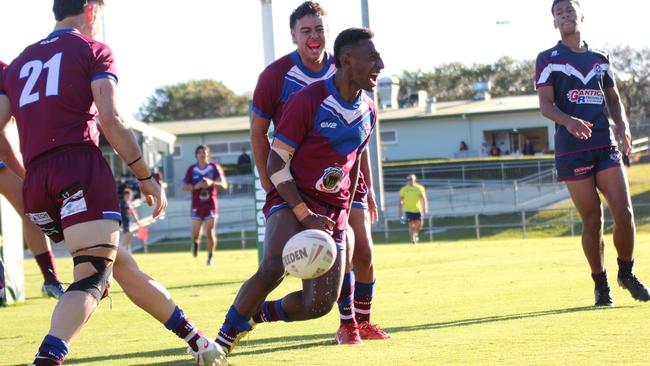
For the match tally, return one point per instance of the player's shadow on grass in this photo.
(498, 318)
(325, 339)
(328, 338)
(183, 287)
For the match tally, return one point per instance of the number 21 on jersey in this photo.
(32, 71)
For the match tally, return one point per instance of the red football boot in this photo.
(348, 334)
(372, 332)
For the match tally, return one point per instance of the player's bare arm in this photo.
(354, 179)
(278, 169)
(122, 140)
(367, 176)
(425, 202)
(222, 182)
(576, 126)
(617, 112)
(7, 152)
(261, 147)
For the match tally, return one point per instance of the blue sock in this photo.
(52, 348)
(236, 320)
(235, 323)
(345, 299)
(363, 293)
(175, 319)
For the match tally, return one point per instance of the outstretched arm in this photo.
(122, 140)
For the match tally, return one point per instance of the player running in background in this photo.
(575, 84)
(52, 89)
(330, 119)
(127, 211)
(202, 179)
(412, 202)
(11, 186)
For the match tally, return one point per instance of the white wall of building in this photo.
(440, 137)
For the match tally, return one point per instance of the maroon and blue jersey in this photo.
(328, 134)
(2, 67)
(205, 196)
(579, 80)
(282, 78)
(48, 85)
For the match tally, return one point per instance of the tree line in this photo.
(197, 99)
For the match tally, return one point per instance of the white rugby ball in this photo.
(309, 254)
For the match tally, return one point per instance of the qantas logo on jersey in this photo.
(585, 96)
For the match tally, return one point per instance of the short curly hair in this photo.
(307, 8)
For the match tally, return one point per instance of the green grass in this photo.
(506, 302)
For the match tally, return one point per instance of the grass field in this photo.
(508, 302)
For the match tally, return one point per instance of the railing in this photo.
(394, 178)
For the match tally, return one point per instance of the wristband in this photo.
(135, 161)
(301, 211)
(147, 178)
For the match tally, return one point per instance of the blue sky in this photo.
(165, 42)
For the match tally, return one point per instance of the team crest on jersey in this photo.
(598, 70)
(204, 195)
(585, 96)
(330, 182)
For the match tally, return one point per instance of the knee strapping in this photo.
(96, 284)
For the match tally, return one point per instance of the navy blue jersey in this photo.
(579, 81)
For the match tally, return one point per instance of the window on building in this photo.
(218, 148)
(388, 136)
(177, 152)
(235, 147)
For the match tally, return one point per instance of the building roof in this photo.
(202, 126)
(522, 103)
(451, 109)
(153, 131)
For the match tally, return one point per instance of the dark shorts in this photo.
(413, 216)
(360, 200)
(204, 212)
(274, 202)
(585, 164)
(126, 224)
(68, 186)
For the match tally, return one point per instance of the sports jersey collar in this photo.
(335, 93)
(328, 62)
(61, 31)
(564, 47)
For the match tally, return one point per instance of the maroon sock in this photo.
(46, 264)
